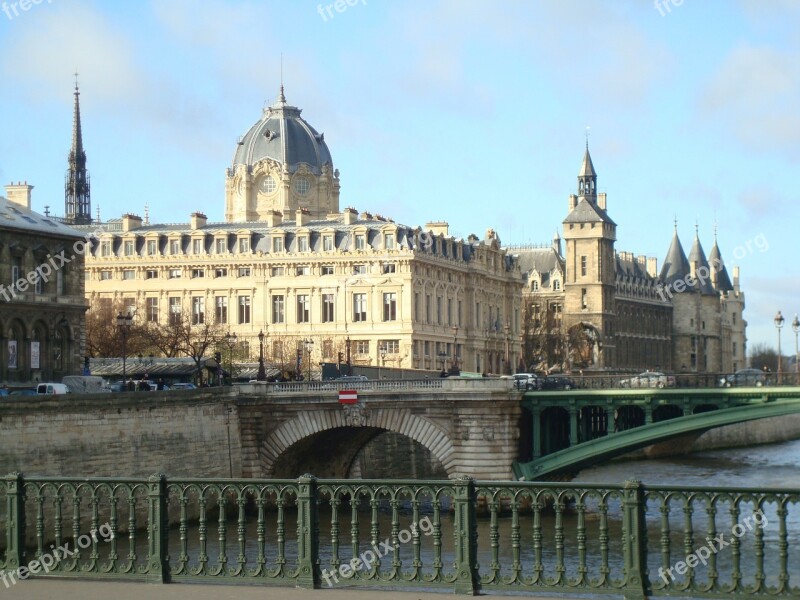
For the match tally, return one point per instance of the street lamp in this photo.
(779, 320)
(506, 329)
(124, 323)
(382, 351)
(454, 366)
(230, 341)
(442, 357)
(796, 329)
(262, 374)
(309, 346)
(347, 354)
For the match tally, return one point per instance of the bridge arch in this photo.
(331, 440)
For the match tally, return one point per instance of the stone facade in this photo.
(42, 304)
(688, 318)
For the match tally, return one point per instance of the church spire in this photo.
(587, 178)
(77, 202)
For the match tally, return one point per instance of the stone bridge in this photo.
(470, 426)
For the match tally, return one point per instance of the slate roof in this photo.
(698, 258)
(715, 261)
(16, 216)
(676, 266)
(588, 212)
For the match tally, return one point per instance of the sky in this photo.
(467, 111)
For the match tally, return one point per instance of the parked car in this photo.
(744, 377)
(23, 392)
(649, 379)
(558, 382)
(3, 392)
(52, 388)
(183, 386)
(527, 381)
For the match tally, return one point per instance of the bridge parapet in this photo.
(445, 384)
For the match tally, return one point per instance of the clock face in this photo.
(301, 185)
(267, 185)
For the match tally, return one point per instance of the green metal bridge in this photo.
(575, 429)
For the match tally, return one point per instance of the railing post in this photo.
(157, 529)
(15, 527)
(634, 542)
(307, 533)
(466, 536)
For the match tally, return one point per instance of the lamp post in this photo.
(796, 329)
(309, 344)
(230, 341)
(779, 321)
(382, 352)
(454, 366)
(124, 326)
(442, 357)
(347, 354)
(262, 374)
(506, 329)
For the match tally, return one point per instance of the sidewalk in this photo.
(65, 589)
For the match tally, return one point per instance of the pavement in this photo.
(65, 589)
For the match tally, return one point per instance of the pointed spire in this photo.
(587, 178)
(282, 97)
(697, 258)
(77, 199)
(676, 266)
(719, 274)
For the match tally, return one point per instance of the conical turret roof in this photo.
(715, 262)
(676, 266)
(698, 258)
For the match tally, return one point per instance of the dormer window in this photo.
(535, 285)
(302, 244)
(244, 245)
(277, 244)
(556, 284)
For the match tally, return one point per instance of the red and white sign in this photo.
(348, 397)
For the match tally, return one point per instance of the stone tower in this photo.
(77, 202)
(589, 237)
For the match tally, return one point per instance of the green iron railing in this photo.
(466, 536)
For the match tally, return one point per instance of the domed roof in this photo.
(282, 135)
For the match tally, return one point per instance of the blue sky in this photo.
(468, 111)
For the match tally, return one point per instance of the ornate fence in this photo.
(468, 536)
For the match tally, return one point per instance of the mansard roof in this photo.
(15, 216)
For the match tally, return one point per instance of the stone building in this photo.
(287, 261)
(614, 310)
(42, 296)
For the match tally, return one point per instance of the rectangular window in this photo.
(129, 246)
(389, 268)
(174, 247)
(428, 310)
(220, 272)
(303, 308)
(197, 273)
(244, 310)
(174, 273)
(390, 306)
(584, 301)
(361, 241)
(60, 287)
(359, 269)
(478, 315)
(152, 247)
(390, 346)
(439, 314)
(276, 271)
(277, 244)
(38, 287)
(198, 310)
(388, 241)
(733, 353)
(416, 306)
(327, 270)
(327, 308)
(583, 266)
(244, 271)
(152, 310)
(244, 245)
(221, 310)
(449, 311)
(303, 270)
(362, 346)
(327, 349)
(197, 246)
(359, 307)
(174, 311)
(302, 244)
(105, 249)
(327, 243)
(221, 246)
(128, 274)
(104, 275)
(277, 309)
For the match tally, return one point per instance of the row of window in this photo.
(444, 314)
(39, 285)
(303, 309)
(299, 270)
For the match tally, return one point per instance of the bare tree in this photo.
(762, 355)
(542, 336)
(103, 337)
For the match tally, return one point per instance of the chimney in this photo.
(350, 215)
(130, 222)
(19, 193)
(198, 220)
(573, 202)
(302, 217)
(366, 216)
(601, 200)
(652, 266)
(438, 227)
(274, 218)
(736, 279)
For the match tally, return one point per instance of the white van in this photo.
(52, 388)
